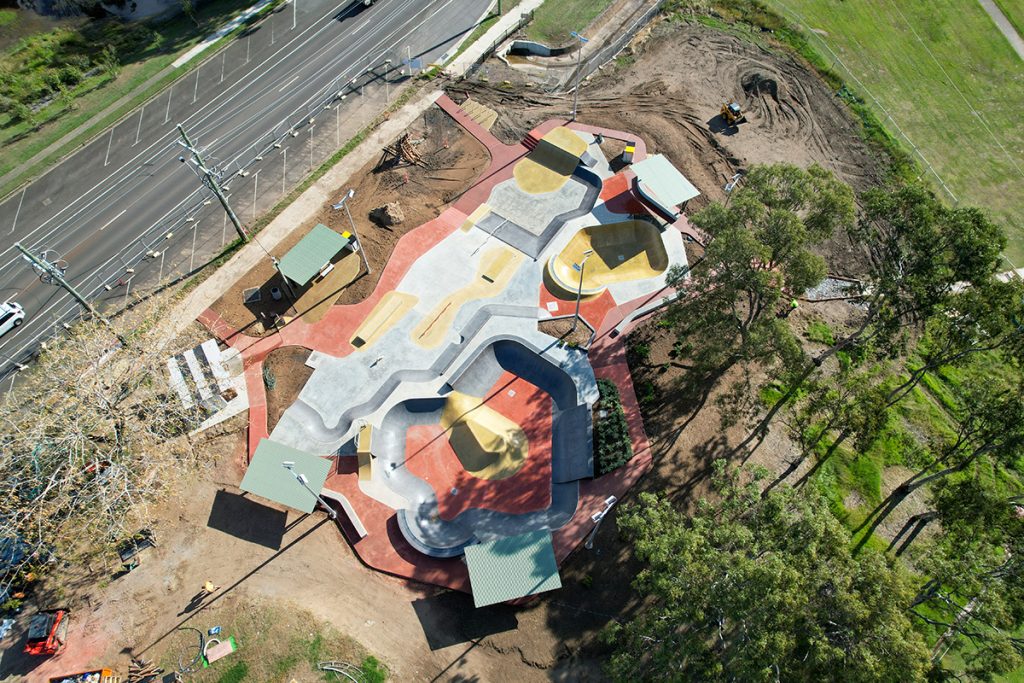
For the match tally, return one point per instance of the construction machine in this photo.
(732, 114)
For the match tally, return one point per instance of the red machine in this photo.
(47, 632)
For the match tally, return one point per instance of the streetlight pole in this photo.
(579, 289)
(301, 478)
(211, 180)
(579, 59)
(344, 203)
(57, 276)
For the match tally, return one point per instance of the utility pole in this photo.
(57, 276)
(211, 180)
(579, 59)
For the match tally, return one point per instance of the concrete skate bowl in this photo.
(550, 164)
(622, 252)
(494, 447)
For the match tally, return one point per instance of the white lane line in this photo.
(106, 159)
(16, 213)
(107, 224)
(290, 81)
(195, 93)
(223, 56)
(167, 116)
(138, 131)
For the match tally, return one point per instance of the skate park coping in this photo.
(313, 252)
(267, 477)
(512, 567)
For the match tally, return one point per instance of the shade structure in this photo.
(661, 183)
(512, 567)
(314, 251)
(268, 478)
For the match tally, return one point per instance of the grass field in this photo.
(948, 79)
(1014, 11)
(556, 19)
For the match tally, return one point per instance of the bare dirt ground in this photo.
(255, 551)
(450, 160)
(288, 368)
(562, 330)
(669, 85)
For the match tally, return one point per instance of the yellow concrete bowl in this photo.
(623, 252)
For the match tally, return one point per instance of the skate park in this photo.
(450, 421)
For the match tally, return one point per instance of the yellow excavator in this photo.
(732, 114)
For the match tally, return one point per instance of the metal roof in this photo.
(312, 253)
(512, 567)
(268, 478)
(664, 181)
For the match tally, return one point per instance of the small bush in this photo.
(612, 445)
(819, 331)
(373, 671)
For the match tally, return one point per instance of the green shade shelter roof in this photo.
(312, 253)
(512, 567)
(266, 477)
(663, 179)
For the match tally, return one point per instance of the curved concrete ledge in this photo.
(571, 452)
(622, 252)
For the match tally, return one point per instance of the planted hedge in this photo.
(612, 446)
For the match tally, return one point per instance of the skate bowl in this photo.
(622, 252)
(494, 446)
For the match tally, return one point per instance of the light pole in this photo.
(301, 478)
(343, 202)
(597, 518)
(579, 59)
(387, 83)
(579, 290)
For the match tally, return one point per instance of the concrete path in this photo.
(1005, 26)
(460, 65)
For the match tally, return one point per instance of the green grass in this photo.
(141, 60)
(907, 53)
(819, 331)
(7, 17)
(1014, 11)
(556, 19)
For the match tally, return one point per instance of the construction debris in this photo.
(388, 215)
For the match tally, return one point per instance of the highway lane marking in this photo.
(254, 77)
(138, 131)
(167, 116)
(290, 81)
(195, 93)
(106, 159)
(107, 224)
(16, 213)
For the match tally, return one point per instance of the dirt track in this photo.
(669, 86)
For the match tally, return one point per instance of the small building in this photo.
(313, 257)
(662, 186)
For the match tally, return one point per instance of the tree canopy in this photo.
(759, 588)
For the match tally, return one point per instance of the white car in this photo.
(11, 315)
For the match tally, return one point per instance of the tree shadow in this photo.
(449, 618)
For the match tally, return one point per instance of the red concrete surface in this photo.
(593, 309)
(431, 457)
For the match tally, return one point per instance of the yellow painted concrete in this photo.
(548, 167)
(472, 219)
(365, 439)
(623, 252)
(497, 265)
(392, 307)
(488, 444)
(318, 299)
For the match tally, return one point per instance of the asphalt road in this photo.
(126, 195)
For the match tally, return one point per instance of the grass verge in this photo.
(555, 19)
(168, 38)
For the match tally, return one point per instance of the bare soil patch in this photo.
(287, 366)
(449, 161)
(562, 330)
